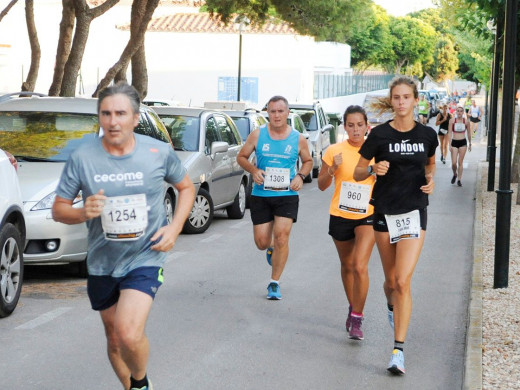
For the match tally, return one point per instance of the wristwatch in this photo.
(301, 175)
(370, 170)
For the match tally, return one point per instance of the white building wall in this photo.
(183, 67)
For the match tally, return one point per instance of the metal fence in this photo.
(328, 85)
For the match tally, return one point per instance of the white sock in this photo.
(274, 281)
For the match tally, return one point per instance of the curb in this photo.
(472, 379)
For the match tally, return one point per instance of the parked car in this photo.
(42, 132)
(296, 122)
(247, 120)
(208, 142)
(318, 126)
(12, 237)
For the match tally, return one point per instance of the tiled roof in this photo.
(189, 3)
(204, 23)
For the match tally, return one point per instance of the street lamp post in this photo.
(496, 28)
(241, 22)
(504, 192)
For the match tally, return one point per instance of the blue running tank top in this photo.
(276, 156)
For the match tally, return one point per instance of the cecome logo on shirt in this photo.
(130, 178)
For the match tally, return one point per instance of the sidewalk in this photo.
(493, 348)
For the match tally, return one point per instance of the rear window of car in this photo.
(242, 125)
(308, 118)
(45, 135)
(184, 131)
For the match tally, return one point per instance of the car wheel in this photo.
(82, 269)
(238, 208)
(168, 207)
(249, 190)
(11, 268)
(201, 215)
(316, 170)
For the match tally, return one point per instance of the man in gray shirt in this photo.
(121, 176)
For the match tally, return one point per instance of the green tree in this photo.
(411, 42)
(370, 40)
(445, 60)
(322, 19)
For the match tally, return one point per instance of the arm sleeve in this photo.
(69, 185)
(328, 157)
(175, 171)
(368, 149)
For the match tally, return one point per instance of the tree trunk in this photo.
(84, 16)
(140, 72)
(64, 46)
(7, 8)
(32, 76)
(135, 42)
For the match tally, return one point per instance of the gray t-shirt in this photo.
(91, 168)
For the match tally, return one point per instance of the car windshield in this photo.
(308, 118)
(242, 125)
(45, 136)
(184, 131)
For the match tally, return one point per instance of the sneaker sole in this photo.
(355, 337)
(274, 298)
(395, 370)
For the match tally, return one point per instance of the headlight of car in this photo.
(47, 202)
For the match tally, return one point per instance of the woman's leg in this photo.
(454, 159)
(462, 153)
(346, 257)
(387, 255)
(407, 255)
(364, 243)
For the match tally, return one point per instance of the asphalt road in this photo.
(212, 328)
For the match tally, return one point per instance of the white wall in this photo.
(182, 67)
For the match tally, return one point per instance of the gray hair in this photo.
(123, 89)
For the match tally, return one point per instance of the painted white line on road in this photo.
(240, 224)
(175, 255)
(44, 318)
(213, 237)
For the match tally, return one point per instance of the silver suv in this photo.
(12, 237)
(42, 132)
(319, 128)
(208, 143)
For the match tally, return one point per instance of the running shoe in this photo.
(273, 291)
(459, 183)
(149, 387)
(390, 315)
(396, 364)
(268, 254)
(453, 179)
(349, 318)
(355, 331)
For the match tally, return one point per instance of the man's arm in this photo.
(169, 233)
(62, 210)
(243, 157)
(305, 156)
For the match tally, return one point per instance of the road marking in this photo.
(44, 318)
(213, 237)
(175, 255)
(240, 224)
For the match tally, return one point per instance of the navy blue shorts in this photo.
(264, 208)
(103, 291)
(343, 229)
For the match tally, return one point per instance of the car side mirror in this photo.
(219, 147)
(328, 127)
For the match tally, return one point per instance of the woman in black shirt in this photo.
(443, 120)
(404, 152)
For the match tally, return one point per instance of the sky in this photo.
(402, 7)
